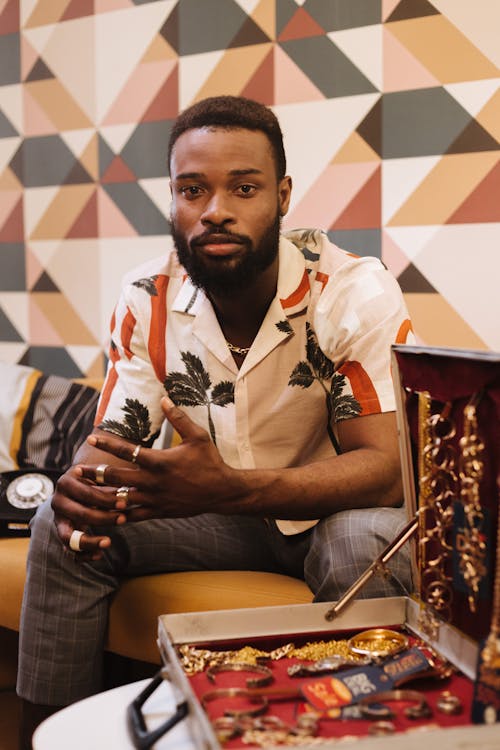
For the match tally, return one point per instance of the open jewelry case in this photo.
(317, 674)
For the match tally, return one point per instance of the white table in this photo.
(99, 723)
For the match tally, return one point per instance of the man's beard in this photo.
(217, 277)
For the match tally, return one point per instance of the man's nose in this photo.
(217, 210)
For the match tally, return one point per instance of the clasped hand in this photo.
(186, 480)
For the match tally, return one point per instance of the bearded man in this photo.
(269, 354)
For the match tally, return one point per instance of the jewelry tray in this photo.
(273, 626)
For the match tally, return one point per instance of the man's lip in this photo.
(219, 245)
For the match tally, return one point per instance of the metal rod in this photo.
(377, 566)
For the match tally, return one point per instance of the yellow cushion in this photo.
(140, 601)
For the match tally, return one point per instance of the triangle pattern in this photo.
(364, 211)
(412, 9)
(483, 204)
(299, 26)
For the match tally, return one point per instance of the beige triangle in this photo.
(63, 318)
(443, 49)
(489, 116)
(8, 147)
(42, 330)
(9, 181)
(44, 13)
(445, 187)
(54, 98)
(264, 16)
(159, 50)
(355, 149)
(453, 330)
(234, 70)
(12, 105)
(62, 212)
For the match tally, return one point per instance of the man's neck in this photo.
(240, 316)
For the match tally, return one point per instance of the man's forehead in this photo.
(231, 141)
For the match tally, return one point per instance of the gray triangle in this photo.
(327, 67)
(208, 25)
(7, 331)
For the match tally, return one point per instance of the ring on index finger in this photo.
(99, 473)
(135, 453)
(122, 493)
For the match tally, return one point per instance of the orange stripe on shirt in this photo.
(322, 278)
(127, 329)
(362, 387)
(298, 294)
(157, 331)
(404, 330)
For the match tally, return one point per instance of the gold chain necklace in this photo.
(238, 349)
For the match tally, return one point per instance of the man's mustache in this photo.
(220, 236)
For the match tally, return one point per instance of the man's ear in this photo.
(284, 193)
(170, 186)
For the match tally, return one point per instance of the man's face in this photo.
(227, 206)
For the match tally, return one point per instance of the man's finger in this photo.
(123, 449)
(180, 421)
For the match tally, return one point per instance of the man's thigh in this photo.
(204, 542)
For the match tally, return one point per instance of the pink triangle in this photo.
(290, 83)
(41, 329)
(34, 268)
(36, 121)
(29, 56)
(111, 221)
(139, 91)
(387, 8)
(332, 192)
(104, 6)
(393, 257)
(7, 204)
(402, 71)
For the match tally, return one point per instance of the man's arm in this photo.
(192, 478)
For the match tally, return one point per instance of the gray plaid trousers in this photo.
(65, 606)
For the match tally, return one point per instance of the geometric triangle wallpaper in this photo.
(390, 111)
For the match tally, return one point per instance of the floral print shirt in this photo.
(322, 355)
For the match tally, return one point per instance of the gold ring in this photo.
(135, 453)
(252, 682)
(381, 728)
(122, 493)
(213, 695)
(99, 473)
(449, 704)
(378, 643)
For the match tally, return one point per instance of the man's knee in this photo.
(344, 546)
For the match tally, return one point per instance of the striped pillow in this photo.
(43, 418)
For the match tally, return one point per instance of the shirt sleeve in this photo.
(129, 405)
(359, 315)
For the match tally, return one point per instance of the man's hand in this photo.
(186, 480)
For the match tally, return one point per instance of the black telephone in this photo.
(21, 492)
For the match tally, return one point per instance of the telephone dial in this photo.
(21, 492)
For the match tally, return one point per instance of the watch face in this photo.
(29, 491)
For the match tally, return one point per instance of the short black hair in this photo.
(232, 112)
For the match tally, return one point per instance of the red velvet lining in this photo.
(455, 378)
(288, 710)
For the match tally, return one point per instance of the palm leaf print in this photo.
(136, 425)
(148, 285)
(193, 388)
(284, 326)
(321, 369)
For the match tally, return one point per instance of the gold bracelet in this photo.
(252, 682)
(420, 709)
(213, 695)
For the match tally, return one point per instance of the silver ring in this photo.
(122, 493)
(99, 473)
(135, 453)
(74, 540)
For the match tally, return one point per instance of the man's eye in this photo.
(190, 190)
(247, 189)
